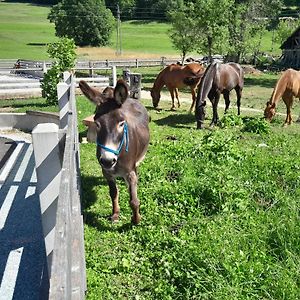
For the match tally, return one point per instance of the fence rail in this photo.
(22, 65)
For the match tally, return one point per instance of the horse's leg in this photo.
(215, 103)
(238, 96)
(131, 179)
(171, 90)
(288, 100)
(177, 97)
(193, 98)
(114, 195)
(227, 100)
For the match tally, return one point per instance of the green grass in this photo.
(25, 31)
(220, 216)
(220, 208)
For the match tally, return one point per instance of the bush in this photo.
(230, 120)
(63, 55)
(256, 125)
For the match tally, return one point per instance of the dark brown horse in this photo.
(175, 76)
(218, 79)
(287, 87)
(122, 140)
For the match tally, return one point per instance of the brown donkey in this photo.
(122, 140)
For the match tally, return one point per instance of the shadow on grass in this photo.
(177, 120)
(263, 82)
(100, 222)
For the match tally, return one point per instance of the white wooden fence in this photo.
(58, 181)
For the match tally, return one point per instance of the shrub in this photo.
(63, 55)
(256, 125)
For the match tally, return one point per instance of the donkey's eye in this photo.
(121, 124)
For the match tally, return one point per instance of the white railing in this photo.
(58, 181)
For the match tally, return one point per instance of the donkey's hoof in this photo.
(114, 218)
(136, 219)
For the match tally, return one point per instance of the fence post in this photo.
(114, 75)
(45, 140)
(63, 93)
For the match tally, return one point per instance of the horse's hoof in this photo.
(173, 109)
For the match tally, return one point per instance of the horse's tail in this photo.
(206, 83)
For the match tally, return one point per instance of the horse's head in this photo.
(269, 112)
(155, 97)
(112, 131)
(200, 114)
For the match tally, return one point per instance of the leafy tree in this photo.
(64, 56)
(182, 33)
(211, 20)
(88, 22)
(249, 18)
(285, 28)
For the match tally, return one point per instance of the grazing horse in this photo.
(218, 79)
(122, 140)
(175, 76)
(287, 87)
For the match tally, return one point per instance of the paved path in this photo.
(22, 249)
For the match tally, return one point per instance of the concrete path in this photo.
(22, 249)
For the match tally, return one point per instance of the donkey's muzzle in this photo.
(107, 163)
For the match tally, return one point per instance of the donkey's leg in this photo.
(238, 96)
(177, 97)
(114, 195)
(227, 100)
(193, 99)
(131, 179)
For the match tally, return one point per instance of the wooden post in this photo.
(63, 92)
(114, 75)
(45, 140)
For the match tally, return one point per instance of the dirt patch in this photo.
(97, 53)
(248, 69)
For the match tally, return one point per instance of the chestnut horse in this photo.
(175, 76)
(218, 79)
(122, 140)
(287, 87)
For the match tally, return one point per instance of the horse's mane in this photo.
(206, 83)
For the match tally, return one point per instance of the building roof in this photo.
(293, 41)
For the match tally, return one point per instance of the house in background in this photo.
(291, 51)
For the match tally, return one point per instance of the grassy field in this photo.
(25, 31)
(220, 208)
(220, 214)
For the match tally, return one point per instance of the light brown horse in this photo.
(122, 140)
(287, 87)
(175, 76)
(218, 79)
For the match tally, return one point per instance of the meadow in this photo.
(220, 208)
(25, 31)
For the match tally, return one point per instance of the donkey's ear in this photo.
(92, 94)
(121, 92)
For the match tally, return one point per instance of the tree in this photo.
(285, 28)
(249, 19)
(88, 22)
(211, 20)
(182, 33)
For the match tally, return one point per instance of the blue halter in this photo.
(125, 137)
